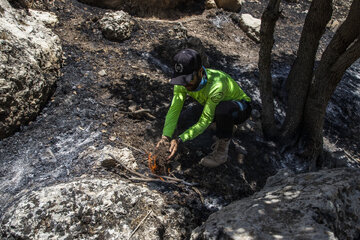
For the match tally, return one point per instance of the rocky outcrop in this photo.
(93, 208)
(116, 26)
(317, 205)
(229, 5)
(31, 56)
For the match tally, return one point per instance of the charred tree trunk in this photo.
(309, 91)
(343, 50)
(268, 21)
(301, 73)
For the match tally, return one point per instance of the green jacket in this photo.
(219, 87)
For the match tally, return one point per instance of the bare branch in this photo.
(348, 57)
(142, 221)
(144, 178)
(128, 169)
(344, 36)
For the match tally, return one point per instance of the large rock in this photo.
(116, 26)
(229, 5)
(31, 56)
(93, 208)
(318, 205)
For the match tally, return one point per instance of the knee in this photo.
(222, 109)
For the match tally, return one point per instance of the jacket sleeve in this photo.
(216, 95)
(173, 114)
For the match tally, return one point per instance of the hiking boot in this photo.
(219, 154)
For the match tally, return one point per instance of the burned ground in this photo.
(104, 82)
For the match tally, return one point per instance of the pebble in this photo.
(102, 73)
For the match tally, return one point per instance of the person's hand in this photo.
(174, 144)
(163, 141)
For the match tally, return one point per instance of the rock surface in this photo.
(93, 208)
(251, 26)
(116, 26)
(229, 5)
(30, 60)
(317, 205)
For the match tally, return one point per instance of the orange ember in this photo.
(152, 162)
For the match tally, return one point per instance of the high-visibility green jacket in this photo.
(219, 87)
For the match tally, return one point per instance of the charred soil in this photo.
(104, 83)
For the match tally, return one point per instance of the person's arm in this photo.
(173, 114)
(215, 97)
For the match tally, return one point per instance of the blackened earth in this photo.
(103, 81)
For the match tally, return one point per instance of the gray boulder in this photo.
(317, 205)
(93, 208)
(31, 56)
(116, 26)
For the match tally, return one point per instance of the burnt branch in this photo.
(151, 177)
(343, 38)
(348, 57)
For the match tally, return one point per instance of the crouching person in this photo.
(223, 101)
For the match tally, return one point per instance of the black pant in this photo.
(227, 114)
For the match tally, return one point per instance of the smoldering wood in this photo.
(151, 177)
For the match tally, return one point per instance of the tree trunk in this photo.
(343, 50)
(268, 21)
(301, 73)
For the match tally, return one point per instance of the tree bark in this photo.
(268, 21)
(343, 50)
(301, 73)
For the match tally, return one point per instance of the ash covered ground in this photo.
(102, 81)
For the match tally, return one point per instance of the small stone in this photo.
(132, 108)
(210, 4)
(102, 73)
